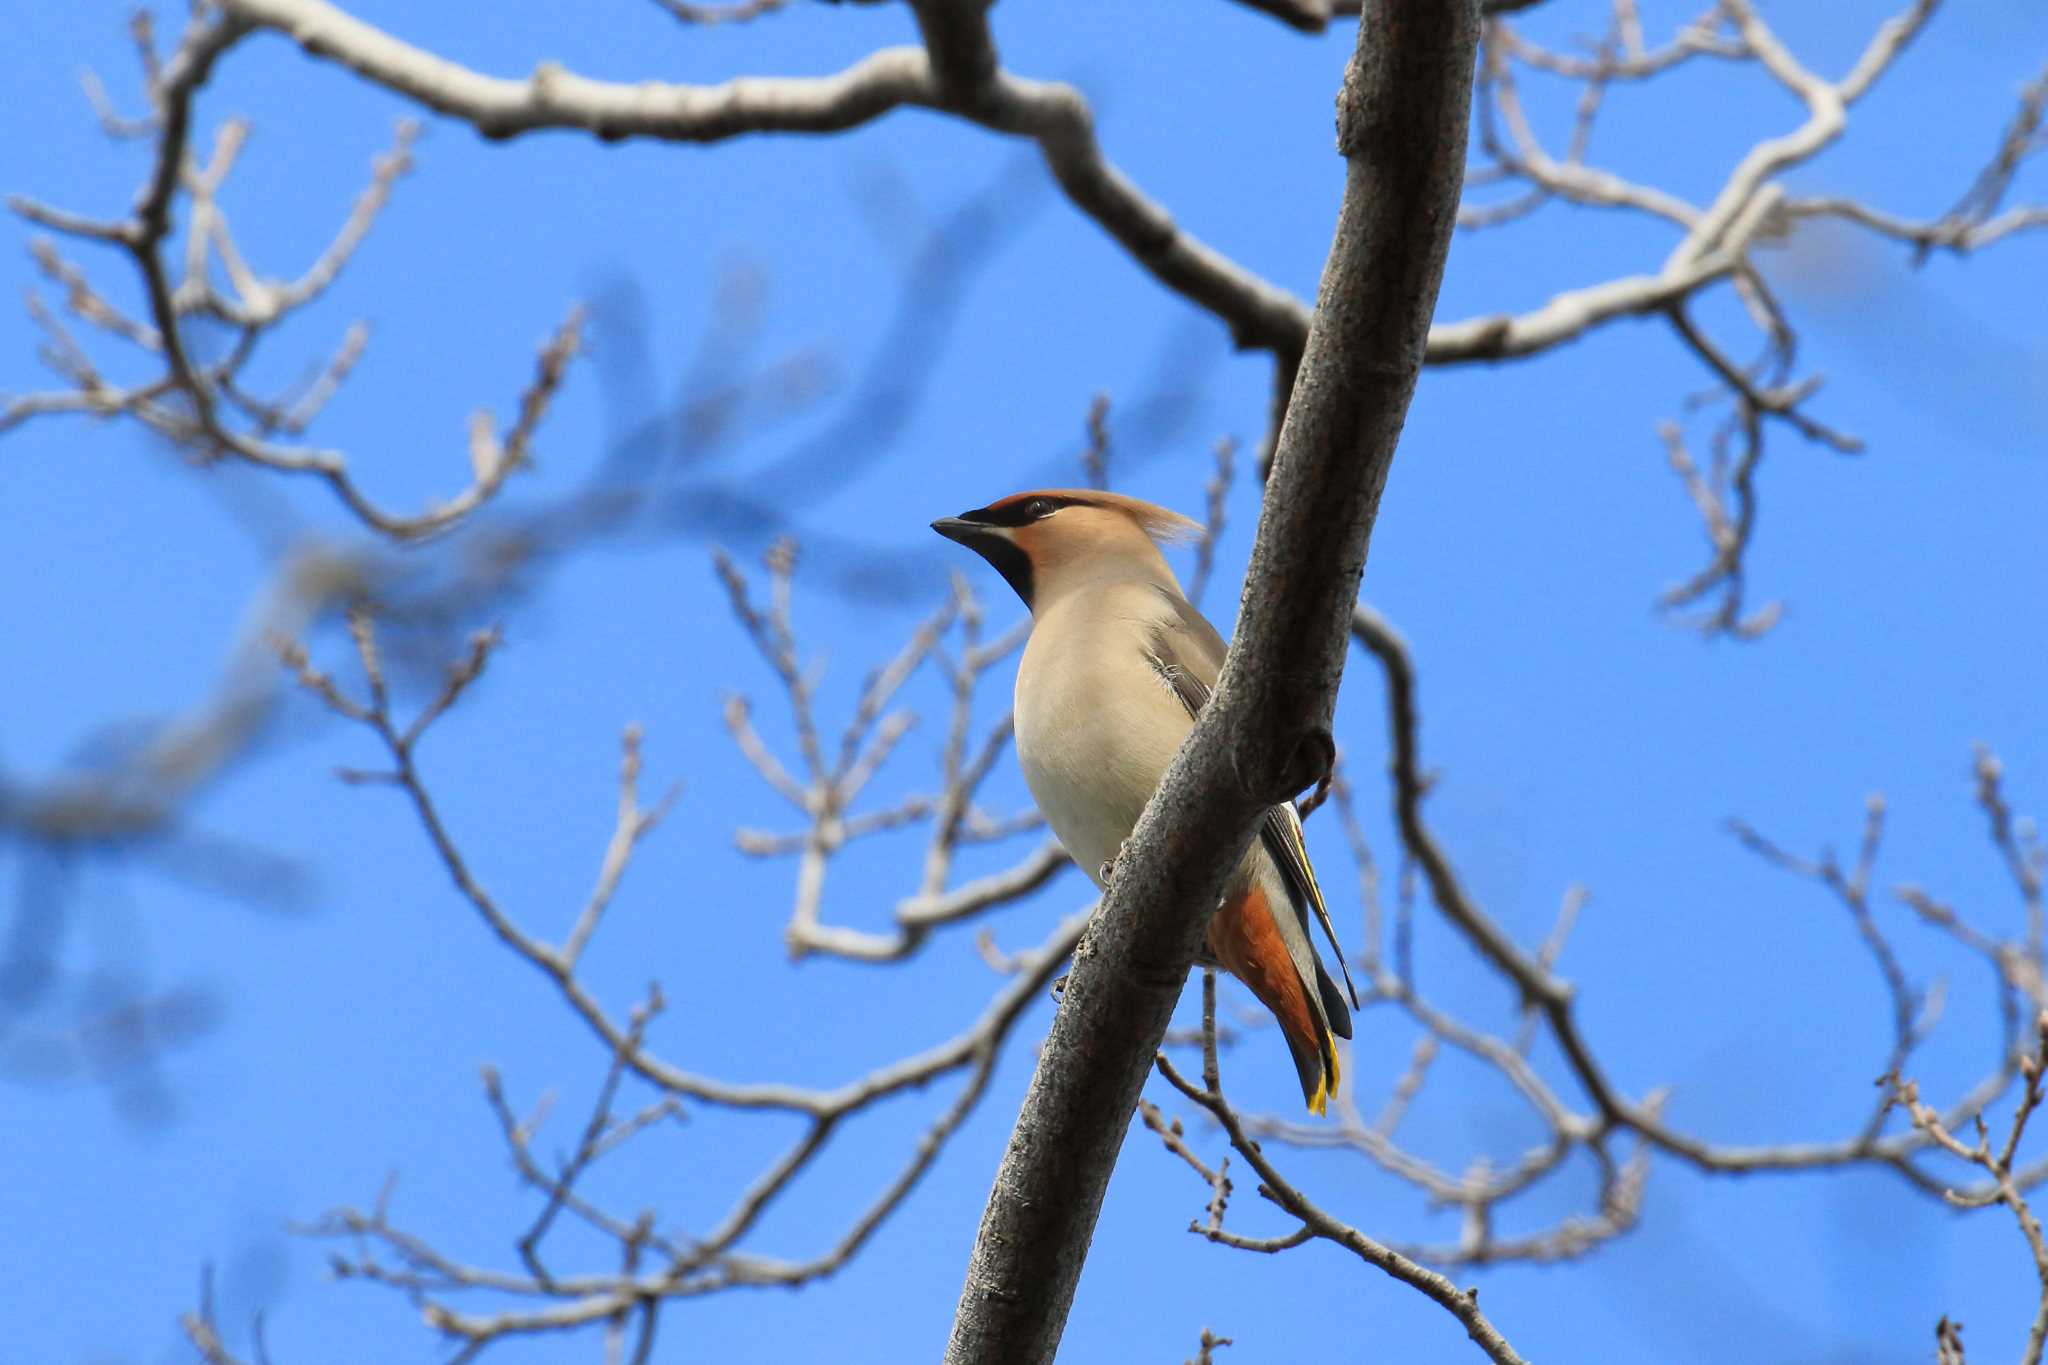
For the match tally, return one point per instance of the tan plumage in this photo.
(1117, 665)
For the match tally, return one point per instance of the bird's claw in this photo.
(1107, 872)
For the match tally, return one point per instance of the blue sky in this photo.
(1578, 737)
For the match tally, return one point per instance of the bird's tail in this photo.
(1315, 1062)
(1245, 937)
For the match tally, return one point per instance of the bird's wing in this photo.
(1190, 659)
(1283, 838)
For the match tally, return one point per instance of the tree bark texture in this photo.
(1401, 127)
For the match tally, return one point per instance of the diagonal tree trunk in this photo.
(1401, 127)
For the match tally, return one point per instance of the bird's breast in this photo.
(1096, 728)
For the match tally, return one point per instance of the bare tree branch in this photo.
(1265, 733)
(684, 1267)
(957, 70)
(1315, 1221)
(2017, 965)
(195, 403)
(2005, 1187)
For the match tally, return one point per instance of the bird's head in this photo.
(1044, 540)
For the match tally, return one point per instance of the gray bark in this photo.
(1401, 127)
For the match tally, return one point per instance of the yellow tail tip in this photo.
(1319, 1103)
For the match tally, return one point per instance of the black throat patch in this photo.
(1009, 561)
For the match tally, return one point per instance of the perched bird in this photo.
(1118, 664)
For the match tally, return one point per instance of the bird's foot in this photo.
(1107, 872)
(1059, 989)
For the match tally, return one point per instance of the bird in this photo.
(1117, 665)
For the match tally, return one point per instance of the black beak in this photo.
(995, 546)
